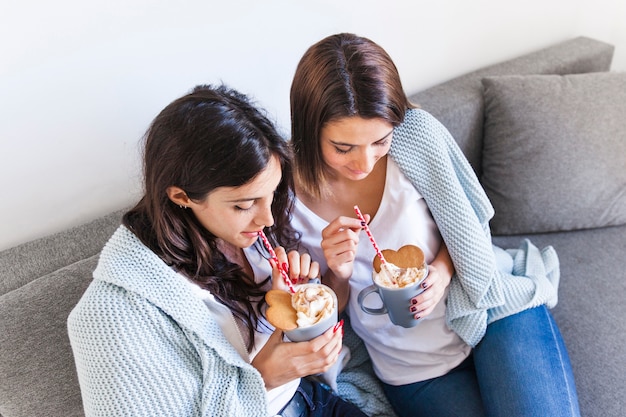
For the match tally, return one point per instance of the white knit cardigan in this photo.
(144, 345)
(479, 293)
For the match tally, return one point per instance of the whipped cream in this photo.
(392, 276)
(313, 303)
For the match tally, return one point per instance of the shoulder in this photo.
(416, 122)
(419, 134)
(106, 307)
(123, 244)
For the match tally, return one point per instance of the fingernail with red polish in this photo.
(413, 309)
(285, 266)
(413, 301)
(337, 326)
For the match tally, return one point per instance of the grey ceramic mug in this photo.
(303, 334)
(396, 301)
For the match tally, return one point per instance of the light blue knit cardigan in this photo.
(144, 345)
(479, 292)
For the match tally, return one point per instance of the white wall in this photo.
(81, 80)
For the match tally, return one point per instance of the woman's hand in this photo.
(339, 243)
(440, 273)
(299, 267)
(280, 362)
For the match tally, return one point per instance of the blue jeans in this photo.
(313, 399)
(519, 369)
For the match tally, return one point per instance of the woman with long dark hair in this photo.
(173, 323)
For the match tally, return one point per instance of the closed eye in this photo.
(244, 208)
(343, 150)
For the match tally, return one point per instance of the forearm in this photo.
(443, 263)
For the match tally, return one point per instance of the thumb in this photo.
(275, 339)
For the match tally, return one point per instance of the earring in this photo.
(182, 207)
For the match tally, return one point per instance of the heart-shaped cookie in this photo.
(280, 312)
(406, 257)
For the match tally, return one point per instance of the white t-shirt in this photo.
(279, 396)
(399, 355)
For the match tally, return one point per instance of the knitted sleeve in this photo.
(134, 360)
(428, 156)
(479, 293)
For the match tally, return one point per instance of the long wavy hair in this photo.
(212, 137)
(343, 75)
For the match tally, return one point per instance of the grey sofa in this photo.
(590, 311)
(41, 281)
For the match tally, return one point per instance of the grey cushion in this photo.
(36, 364)
(554, 156)
(591, 311)
(458, 103)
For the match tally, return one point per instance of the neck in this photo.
(339, 183)
(233, 253)
(236, 255)
(344, 194)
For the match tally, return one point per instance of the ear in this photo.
(178, 196)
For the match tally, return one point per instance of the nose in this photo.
(265, 217)
(366, 159)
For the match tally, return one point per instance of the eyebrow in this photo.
(350, 144)
(242, 200)
(245, 199)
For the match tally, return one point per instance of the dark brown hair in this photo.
(209, 138)
(343, 75)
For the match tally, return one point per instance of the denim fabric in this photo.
(519, 369)
(313, 399)
(523, 367)
(452, 395)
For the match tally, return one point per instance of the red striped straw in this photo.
(275, 259)
(369, 234)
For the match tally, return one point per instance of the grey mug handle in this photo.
(361, 298)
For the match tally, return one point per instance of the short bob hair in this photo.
(343, 75)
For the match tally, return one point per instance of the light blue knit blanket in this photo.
(145, 345)
(480, 293)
